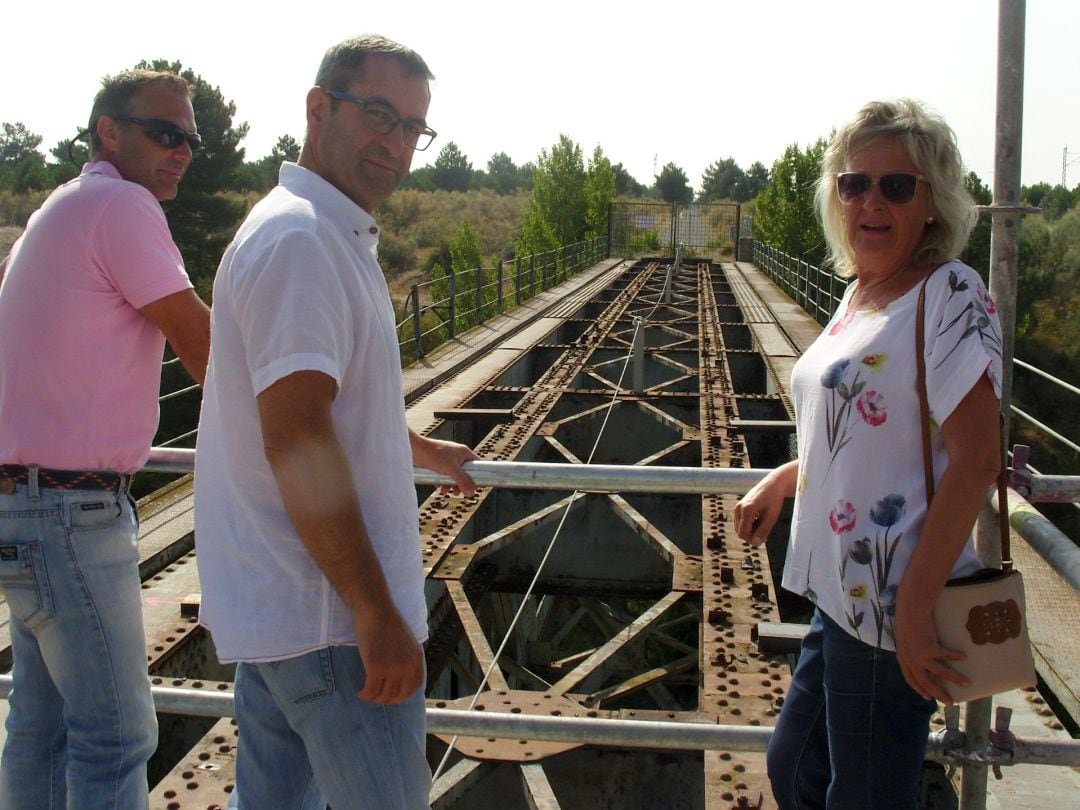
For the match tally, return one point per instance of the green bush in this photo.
(644, 242)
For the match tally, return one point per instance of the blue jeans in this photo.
(852, 733)
(306, 739)
(81, 722)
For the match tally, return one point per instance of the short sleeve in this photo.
(963, 338)
(292, 311)
(134, 249)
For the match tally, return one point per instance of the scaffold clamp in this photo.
(997, 752)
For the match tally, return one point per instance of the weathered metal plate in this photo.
(514, 702)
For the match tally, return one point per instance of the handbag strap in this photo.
(924, 416)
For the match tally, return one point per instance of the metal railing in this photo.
(436, 310)
(816, 290)
(1060, 552)
(942, 746)
(951, 746)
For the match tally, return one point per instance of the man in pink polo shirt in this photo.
(91, 291)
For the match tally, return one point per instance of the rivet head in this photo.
(373, 230)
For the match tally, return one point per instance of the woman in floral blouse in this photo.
(864, 548)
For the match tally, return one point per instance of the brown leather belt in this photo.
(47, 478)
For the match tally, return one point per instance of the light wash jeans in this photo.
(305, 739)
(81, 723)
(852, 733)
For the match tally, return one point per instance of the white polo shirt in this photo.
(299, 289)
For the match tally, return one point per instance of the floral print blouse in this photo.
(860, 501)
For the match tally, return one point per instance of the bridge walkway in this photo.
(781, 330)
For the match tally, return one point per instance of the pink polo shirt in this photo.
(80, 367)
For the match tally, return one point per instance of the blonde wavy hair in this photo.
(931, 145)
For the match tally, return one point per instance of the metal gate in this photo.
(705, 230)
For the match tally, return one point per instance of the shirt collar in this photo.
(101, 167)
(346, 215)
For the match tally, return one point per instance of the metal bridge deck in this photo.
(659, 627)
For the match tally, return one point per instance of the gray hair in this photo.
(117, 95)
(344, 62)
(931, 145)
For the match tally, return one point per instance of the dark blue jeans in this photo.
(852, 733)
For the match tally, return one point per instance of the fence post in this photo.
(479, 295)
(499, 279)
(517, 281)
(610, 224)
(674, 221)
(453, 303)
(798, 277)
(532, 275)
(417, 337)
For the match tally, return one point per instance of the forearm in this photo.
(316, 487)
(192, 343)
(424, 450)
(785, 478)
(957, 502)
(758, 510)
(971, 438)
(417, 444)
(185, 321)
(443, 457)
(194, 358)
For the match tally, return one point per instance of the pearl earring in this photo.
(929, 220)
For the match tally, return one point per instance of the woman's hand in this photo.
(757, 511)
(970, 433)
(922, 659)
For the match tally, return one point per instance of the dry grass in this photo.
(8, 235)
(418, 225)
(417, 229)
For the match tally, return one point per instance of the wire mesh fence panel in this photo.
(703, 229)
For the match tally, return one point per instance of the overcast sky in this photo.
(651, 83)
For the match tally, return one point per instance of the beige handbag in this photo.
(982, 615)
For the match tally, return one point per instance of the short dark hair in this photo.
(344, 63)
(117, 94)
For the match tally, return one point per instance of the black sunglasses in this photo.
(164, 133)
(898, 188)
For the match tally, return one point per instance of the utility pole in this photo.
(1065, 163)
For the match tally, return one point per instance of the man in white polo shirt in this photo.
(305, 509)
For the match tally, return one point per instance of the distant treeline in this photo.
(561, 198)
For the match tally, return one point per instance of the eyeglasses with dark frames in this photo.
(897, 187)
(381, 119)
(164, 133)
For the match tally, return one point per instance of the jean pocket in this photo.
(100, 513)
(299, 680)
(25, 583)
